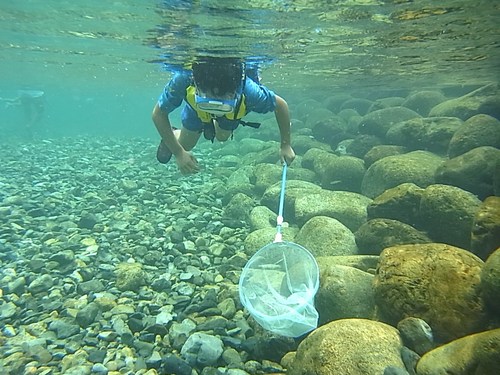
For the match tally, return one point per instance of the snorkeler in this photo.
(32, 104)
(218, 94)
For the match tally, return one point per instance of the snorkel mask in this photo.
(216, 107)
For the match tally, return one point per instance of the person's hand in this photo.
(187, 163)
(287, 154)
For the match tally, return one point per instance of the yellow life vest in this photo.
(207, 117)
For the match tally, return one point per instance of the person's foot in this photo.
(163, 154)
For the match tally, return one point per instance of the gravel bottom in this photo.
(114, 264)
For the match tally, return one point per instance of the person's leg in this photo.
(188, 138)
(222, 135)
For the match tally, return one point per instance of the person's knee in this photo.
(222, 136)
(187, 138)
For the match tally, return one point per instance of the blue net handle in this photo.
(279, 219)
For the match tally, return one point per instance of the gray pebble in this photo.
(171, 364)
(99, 368)
(17, 285)
(7, 310)
(416, 334)
(86, 316)
(202, 349)
(64, 328)
(410, 359)
(41, 284)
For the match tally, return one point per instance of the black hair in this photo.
(218, 75)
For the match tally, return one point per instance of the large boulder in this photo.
(377, 234)
(387, 102)
(381, 151)
(334, 102)
(294, 189)
(262, 217)
(486, 228)
(261, 237)
(347, 207)
(344, 292)
(361, 144)
(490, 282)
(239, 182)
(418, 167)
(365, 263)
(303, 109)
(267, 175)
(477, 354)
(324, 236)
(330, 131)
(447, 214)
(302, 143)
(479, 130)
(431, 134)
(319, 114)
(237, 211)
(398, 203)
(379, 122)
(317, 160)
(360, 105)
(268, 155)
(423, 101)
(344, 173)
(348, 346)
(484, 100)
(435, 282)
(473, 171)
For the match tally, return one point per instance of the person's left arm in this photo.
(262, 100)
(284, 124)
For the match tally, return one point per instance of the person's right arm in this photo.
(171, 98)
(162, 123)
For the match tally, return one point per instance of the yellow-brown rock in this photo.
(129, 276)
(348, 347)
(435, 282)
(486, 228)
(477, 354)
(490, 282)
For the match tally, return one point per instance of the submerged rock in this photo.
(431, 134)
(479, 130)
(416, 334)
(348, 346)
(423, 101)
(447, 214)
(379, 122)
(486, 228)
(485, 100)
(472, 171)
(344, 292)
(474, 354)
(398, 203)
(435, 282)
(418, 167)
(324, 236)
(490, 282)
(202, 349)
(129, 276)
(347, 207)
(377, 234)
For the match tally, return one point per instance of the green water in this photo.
(97, 60)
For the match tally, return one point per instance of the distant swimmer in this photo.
(218, 93)
(32, 105)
